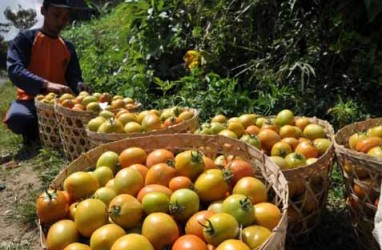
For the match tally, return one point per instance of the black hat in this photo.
(57, 3)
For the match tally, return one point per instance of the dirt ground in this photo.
(19, 182)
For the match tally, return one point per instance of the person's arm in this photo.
(18, 57)
(73, 73)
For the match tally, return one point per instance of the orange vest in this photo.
(49, 60)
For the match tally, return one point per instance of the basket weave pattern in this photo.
(360, 172)
(306, 206)
(187, 126)
(48, 127)
(72, 130)
(210, 146)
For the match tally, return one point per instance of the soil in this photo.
(17, 182)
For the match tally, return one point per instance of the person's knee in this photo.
(21, 123)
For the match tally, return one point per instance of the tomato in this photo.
(322, 145)
(220, 227)
(103, 175)
(151, 122)
(125, 210)
(80, 185)
(194, 223)
(365, 144)
(153, 188)
(375, 151)
(279, 161)
(293, 142)
(260, 121)
(248, 119)
(132, 242)
(61, 234)
(51, 206)
(141, 169)
(267, 215)
(268, 138)
(302, 122)
(307, 149)
(281, 149)
(155, 202)
(179, 182)
(240, 207)
(238, 169)
(109, 159)
(205, 129)
(132, 155)
(211, 185)
(77, 246)
(185, 115)
(236, 127)
(295, 160)
(160, 173)
(290, 131)
(160, 229)
(72, 210)
(255, 236)
(183, 204)
(284, 117)
(128, 181)
(216, 127)
(171, 121)
(228, 133)
(105, 194)
(159, 156)
(252, 130)
(252, 188)
(219, 118)
(189, 163)
(216, 206)
(374, 131)
(208, 163)
(132, 127)
(90, 215)
(189, 242)
(105, 236)
(313, 131)
(232, 244)
(252, 140)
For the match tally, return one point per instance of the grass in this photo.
(334, 232)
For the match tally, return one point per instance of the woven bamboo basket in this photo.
(72, 132)
(311, 185)
(48, 127)
(210, 146)
(362, 176)
(189, 125)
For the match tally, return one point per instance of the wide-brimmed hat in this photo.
(58, 3)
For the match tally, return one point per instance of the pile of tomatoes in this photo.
(159, 200)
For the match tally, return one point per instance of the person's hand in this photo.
(57, 88)
(84, 87)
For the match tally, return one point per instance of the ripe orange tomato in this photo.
(179, 182)
(125, 210)
(208, 163)
(128, 181)
(159, 156)
(268, 138)
(293, 142)
(189, 242)
(131, 156)
(160, 173)
(290, 131)
(141, 169)
(160, 229)
(51, 206)
(365, 144)
(195, 222)
(307, 149)
(251, 187)
(252, 130)
(239, 169)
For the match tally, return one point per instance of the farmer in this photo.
(40, 61)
